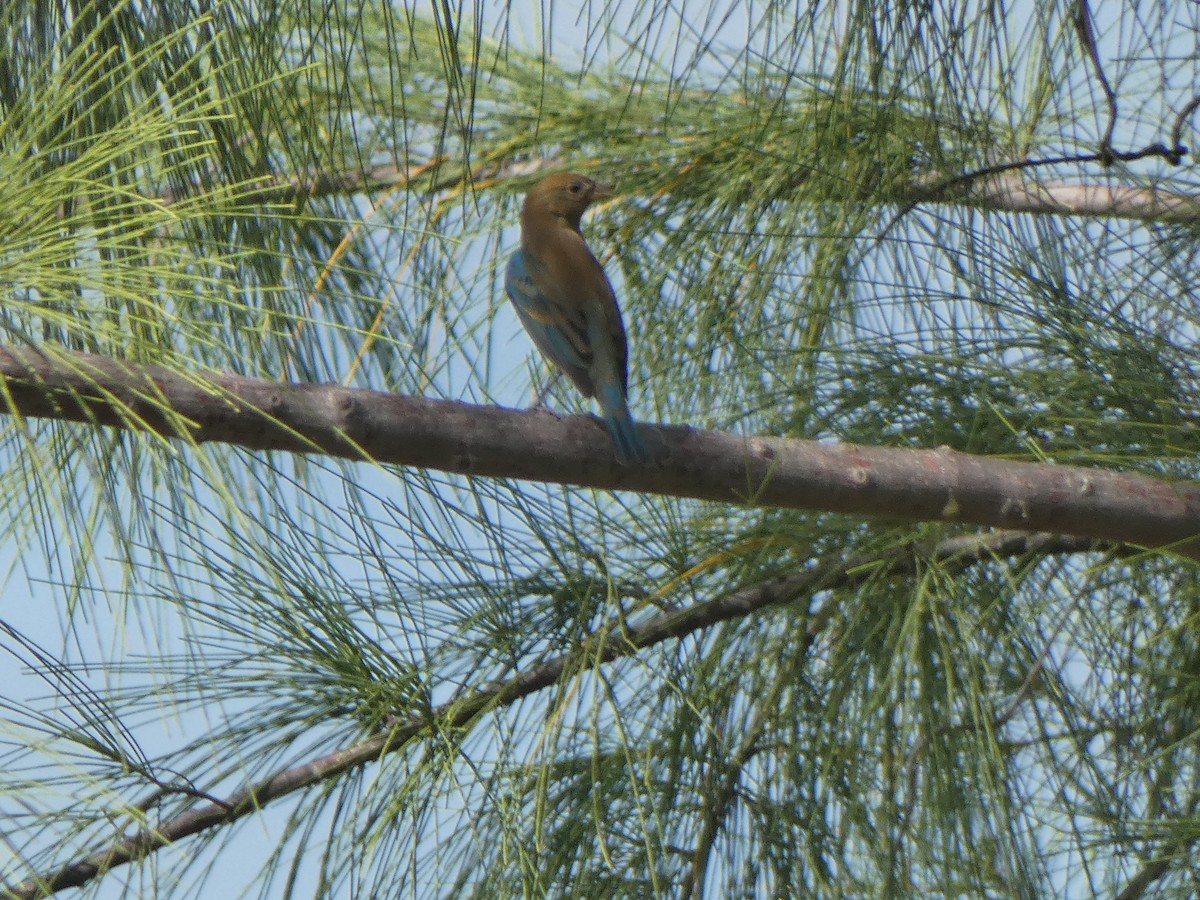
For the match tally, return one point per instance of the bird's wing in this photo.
(558, 329)
(616, 332)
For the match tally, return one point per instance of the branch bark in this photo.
(1010, 193)
(996, 190)
(916, 485)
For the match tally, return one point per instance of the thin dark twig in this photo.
(1087, 36)
(1106, 157)
(165, 788)
(721, 801)
(1177, 131)
(1035, 670)
(1082, 19)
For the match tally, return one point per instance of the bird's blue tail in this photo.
(626, 441)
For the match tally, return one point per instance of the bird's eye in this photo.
(575, 187)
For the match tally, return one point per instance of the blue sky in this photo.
(34, 596)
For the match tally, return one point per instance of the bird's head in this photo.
(565, 195)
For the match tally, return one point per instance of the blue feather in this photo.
(626, 441)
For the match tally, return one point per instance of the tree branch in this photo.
(1144, 879)
(991, 187)
(915, 485)
(958, 553)
(1010, 193)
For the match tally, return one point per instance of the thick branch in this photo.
(922, 485)
(955, 553)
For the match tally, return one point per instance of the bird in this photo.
(567, 305)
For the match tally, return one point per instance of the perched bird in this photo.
(567, 305)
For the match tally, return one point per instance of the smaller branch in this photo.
(1010, 193)
(988, 190)
(713, 821)
(720, 801)
(1031, 677)
(960, 552)
(1147, 204)
(1174, 154)
(1153, 871)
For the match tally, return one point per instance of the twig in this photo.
(1177, 131)
(1087, 36)
(1106, 157)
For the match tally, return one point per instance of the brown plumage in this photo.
(566, 302)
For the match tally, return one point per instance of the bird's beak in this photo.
(602, 192)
